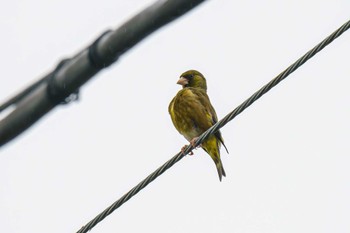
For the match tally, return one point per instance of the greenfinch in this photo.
(192, 114)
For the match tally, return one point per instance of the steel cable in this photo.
(216, 127)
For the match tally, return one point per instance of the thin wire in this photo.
(216, 127)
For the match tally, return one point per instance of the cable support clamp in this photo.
(56, 93)
(96, 60)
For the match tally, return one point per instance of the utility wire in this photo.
(215, 127)
(70, 74)
(22, 94)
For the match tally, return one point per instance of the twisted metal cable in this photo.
(216, 127)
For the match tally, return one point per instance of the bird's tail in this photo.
(220, 168)
(211, 146)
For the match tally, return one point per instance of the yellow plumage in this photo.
(192, 114)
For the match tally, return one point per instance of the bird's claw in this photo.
(184, 148)
(193, 142)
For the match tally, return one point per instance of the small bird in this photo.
(192, 114)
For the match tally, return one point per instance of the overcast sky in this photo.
(288, 167)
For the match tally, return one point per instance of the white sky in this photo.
(288, 167)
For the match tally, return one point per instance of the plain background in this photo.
(288, 167)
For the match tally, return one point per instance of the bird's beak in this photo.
(182, 81)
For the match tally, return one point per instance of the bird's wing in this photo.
(204, 99)
(203, 113)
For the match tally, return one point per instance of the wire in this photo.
(215, 127)
(44, 95)
(22, 94)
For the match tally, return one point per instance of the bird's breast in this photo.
(181, 109)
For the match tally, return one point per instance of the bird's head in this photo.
(192, 78)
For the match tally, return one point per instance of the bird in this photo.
(192, 114)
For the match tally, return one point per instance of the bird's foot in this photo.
(193, 142)
(184, 148)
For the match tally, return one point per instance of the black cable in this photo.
(215, 127)
(52, 89)
(22, 94)
(34, 103)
